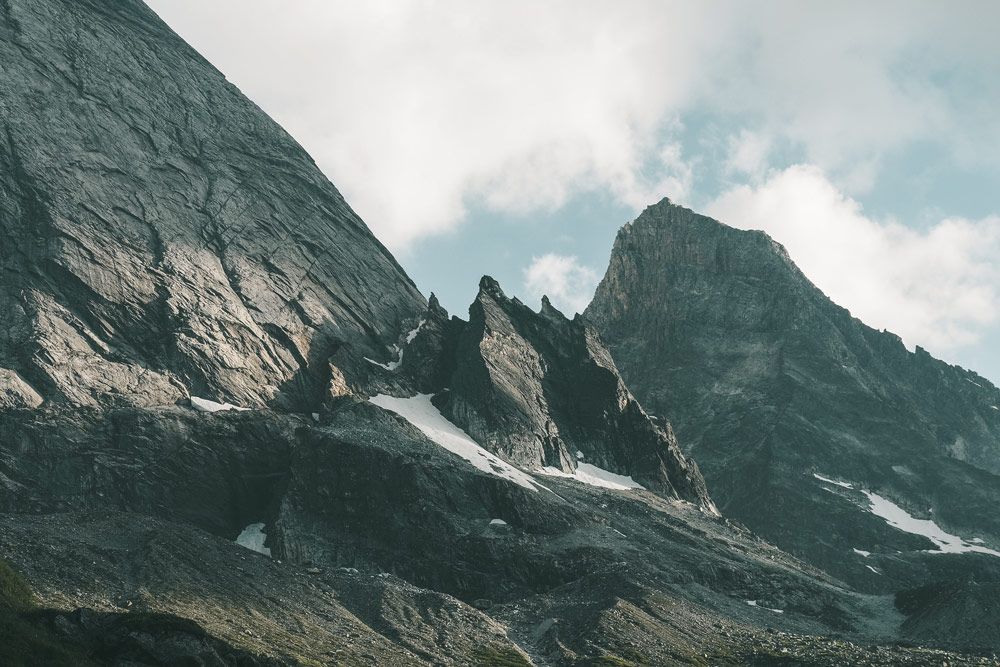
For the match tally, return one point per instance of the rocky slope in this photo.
(160, 236)
(769, 384)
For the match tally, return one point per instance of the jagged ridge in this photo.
(767, 381)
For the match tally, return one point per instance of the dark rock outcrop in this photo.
(128, 589)
(766, 382)
(160, 235)
(542, 391)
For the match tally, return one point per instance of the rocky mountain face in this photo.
(797, 412)
(542, 391)
(162, 240)
(160, 236)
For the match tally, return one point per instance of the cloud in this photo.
(938, 287)
(748, 154)
(420, 110)
(568, 284)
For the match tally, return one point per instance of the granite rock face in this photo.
(542, 391)
(767, 382)
(160, 236)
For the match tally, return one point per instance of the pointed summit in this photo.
(767, 382)
(488, 285)
(537, 388)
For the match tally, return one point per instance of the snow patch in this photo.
(861, 552)
(397, 350)
(419, 411)
(591, 474)
(253, 537)
(392, 365)
(205, 405)
(873, 569)
(413, 332)
(974, 382)
(753, 603)
(995, 407)
(579, 455)
(899, 518)
(976, 540)
(830, 481)
(498, 522)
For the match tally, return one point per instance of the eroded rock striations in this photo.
(767, 382)
(160, 235)
(542, 391)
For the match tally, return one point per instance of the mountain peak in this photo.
(489, 285)
(537, 388)
(766, 379)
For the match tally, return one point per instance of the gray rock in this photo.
(767, 381)
(15, 392)
(537, 388)
(161, 235)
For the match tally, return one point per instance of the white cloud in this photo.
(417, 109)
(749, 153)
(568, 284)
(938, 287)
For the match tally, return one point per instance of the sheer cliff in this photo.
(768, 383)
(160, 236)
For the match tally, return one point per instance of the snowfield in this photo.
(392, 365)
(753, 603)
(898, 518)
(419, 411)
(591, 474)
(253, 537)
(205, 405)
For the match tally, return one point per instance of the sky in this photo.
(514, 138)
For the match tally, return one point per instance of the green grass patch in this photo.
(22, 643)
(603, 661)
(14, 590)
(503, 657)
(636, 657)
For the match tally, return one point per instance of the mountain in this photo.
(232, 431)
(160, 236)
(808, 425)
(542, 391)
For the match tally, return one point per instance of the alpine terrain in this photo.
(234, 432)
